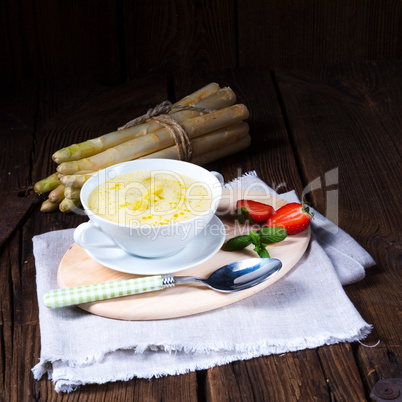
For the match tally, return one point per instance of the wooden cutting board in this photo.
(77, 268)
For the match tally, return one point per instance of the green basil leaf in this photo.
(264, 253)
(238, 243)
(255, 238)
(273, 234)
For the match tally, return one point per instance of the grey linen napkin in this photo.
(305, 309)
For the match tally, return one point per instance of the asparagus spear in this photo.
(199, 95)
(153, 142)
(206, 143)
(69, 205)
(57, 194)
(75, 180)
(222, 152)
(47, 184)
(201, 145)
(48, 206)
(99, 144)
(72, 193)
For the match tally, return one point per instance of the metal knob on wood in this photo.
(387, 390)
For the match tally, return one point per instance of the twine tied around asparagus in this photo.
(159, 114)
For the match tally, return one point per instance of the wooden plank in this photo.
(20, 343)
(380, 362)
(6, 294)
(14, 63)
(295, 33)
(179, 36)
(20, 380)
(6, 345)
(341, 373)
(285, 377)
(17, 118)
(173, 388)
(351, 114)
(228, 382)
(105, 39)
(56, 38)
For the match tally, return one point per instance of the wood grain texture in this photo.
(380, 362)
(179, 35)
(181, 388)
(312, 119)
(111, 41)
(350, 113)
(341, 373)
(292, 33)
(20, 381)
(300, 377)
(17, 119)
(56, 38)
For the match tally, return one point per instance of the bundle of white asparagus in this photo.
(213, 135)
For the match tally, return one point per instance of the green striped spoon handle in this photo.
(101, 291)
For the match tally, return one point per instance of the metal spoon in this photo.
(233, 277)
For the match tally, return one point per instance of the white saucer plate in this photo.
(203, 247)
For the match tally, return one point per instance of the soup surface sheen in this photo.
(150, 198)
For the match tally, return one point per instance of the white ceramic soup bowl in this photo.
(146, 240)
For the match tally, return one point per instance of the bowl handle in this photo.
(219, 177)
(85, 227)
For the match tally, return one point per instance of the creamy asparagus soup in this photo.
(150, 198)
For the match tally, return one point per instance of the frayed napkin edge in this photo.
(236, 352)
(236, 181)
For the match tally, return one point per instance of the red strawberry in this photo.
(294, 217)
(253, 211)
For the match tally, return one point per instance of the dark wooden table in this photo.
(304, 123)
